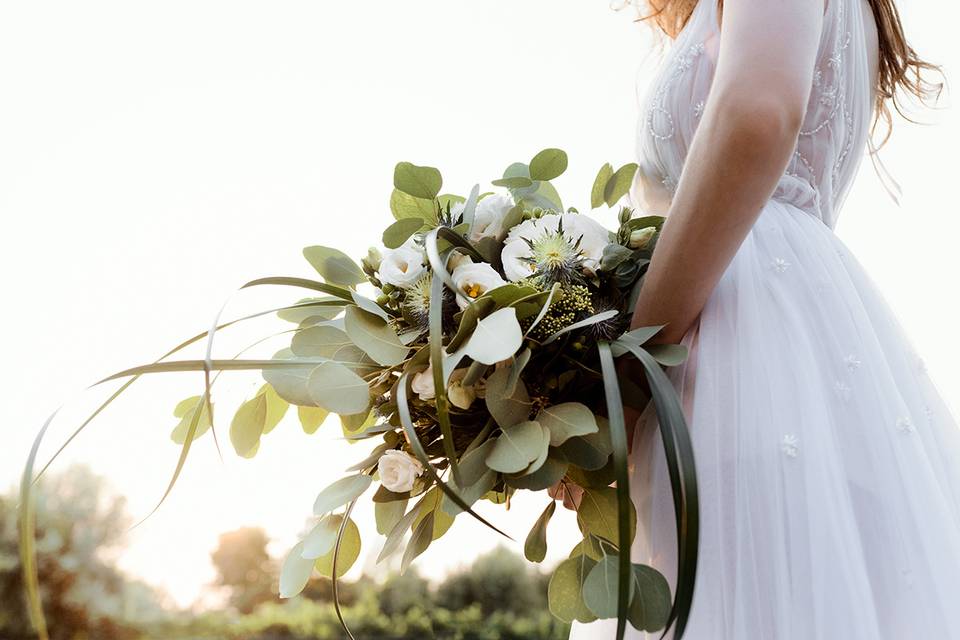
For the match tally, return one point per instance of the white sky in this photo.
(153, 157)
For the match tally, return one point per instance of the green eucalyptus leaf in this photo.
(548, 164)
(419, 541)
(550, 473)
(535, 546)
(247, 426)
(341, 492)
(565, 591)
(592, 451)
(650, 607)
(600, 185)
(517, 182)
(597, 514)
(290, 383)
(397, 533)
(507, 408)
(338, 389)
(295, 572)
(567, 420)
(185, 410)
(400, 231)
(432, 504)
(321, 538)
(311, 418)
(374, 336)
(276, 407)
(516, 447)
(619, 184)
(403, 206)
(600, 588)
(349, 549)
(419, 182)
(388, 514)
(335, 266)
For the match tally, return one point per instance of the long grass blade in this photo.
(334, 580)
(618, 438)
(403, 409)
(183, 345)
(28, 550)
(435, 317)
(302, 283)
(681, 467)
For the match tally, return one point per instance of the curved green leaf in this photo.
(419, 182)
(600, 185)
(334, 265)
(341, 492)
(567, 420)
(517, 446)
(338, 389)
(400, 231)
(548, 164)
(375, 337)
(247, 426)
(565, 591)
(346, 550)
(535, 546)
(295, 572)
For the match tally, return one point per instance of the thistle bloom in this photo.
(558, 247)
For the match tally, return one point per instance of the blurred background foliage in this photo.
(80, 535)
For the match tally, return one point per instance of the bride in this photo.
(829, 467)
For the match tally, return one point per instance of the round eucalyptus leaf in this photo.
(549, 474)
(321, 539)
(600, 588)
(516, 447)
(400, 231)
(247, 426)
(548, 164)
(403, 205)
(419, 182)
(598, 514)
(567, 420)
(565, 591)
(334, 265)
(517, 182)
(295, 572)
(338, 389)
(349, 549)
(619, 184)
(311, 418)
(650, 607)
(374, 336)
(340, 493)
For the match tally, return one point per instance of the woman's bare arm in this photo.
(745, 139)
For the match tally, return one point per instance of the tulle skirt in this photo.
(828, 465)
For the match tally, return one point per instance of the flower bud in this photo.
(640, 238)
(371, 262)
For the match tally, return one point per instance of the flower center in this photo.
(473, 290)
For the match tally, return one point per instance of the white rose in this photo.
(641, 237)
(489, 216)
(403, 266)
(398, 470)
(422, 384)
(472, 280)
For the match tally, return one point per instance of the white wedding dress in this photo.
(828, 465)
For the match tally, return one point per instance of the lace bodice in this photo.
(835, 129)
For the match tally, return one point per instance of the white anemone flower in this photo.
(580, 246)
(472, 280)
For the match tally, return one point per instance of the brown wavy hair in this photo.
(902, 74)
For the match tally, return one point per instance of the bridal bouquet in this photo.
(477, 349)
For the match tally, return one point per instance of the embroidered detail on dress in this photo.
(663, 133)
(843, 390)
(698, 110)
(669, 184)
(852, 362)
(780, 265)
(904, 424)
(790, 445)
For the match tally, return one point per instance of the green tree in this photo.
(80, 529)
(402, 592)
(245, 568)
(498, 581)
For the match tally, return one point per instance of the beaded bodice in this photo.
(834, 132)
